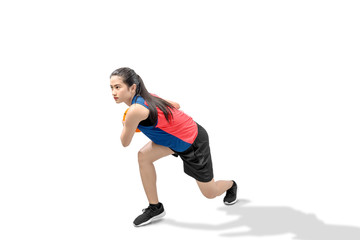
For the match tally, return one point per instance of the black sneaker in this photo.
(149, 214)
(230, 197)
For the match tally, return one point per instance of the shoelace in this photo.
(147, 210)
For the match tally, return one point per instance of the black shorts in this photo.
(197, 158)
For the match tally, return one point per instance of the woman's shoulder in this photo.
(138, 110)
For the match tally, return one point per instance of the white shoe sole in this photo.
(157, 217)
(231, 203)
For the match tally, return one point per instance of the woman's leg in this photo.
(146, 157)
(213, 189)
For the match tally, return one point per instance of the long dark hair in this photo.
(130, 78)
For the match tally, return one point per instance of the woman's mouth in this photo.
(116, 98)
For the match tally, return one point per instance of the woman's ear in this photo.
(133, 88)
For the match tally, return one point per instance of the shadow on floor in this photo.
(271, 221)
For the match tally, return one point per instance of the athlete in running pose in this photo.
(172, 132)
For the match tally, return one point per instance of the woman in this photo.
(171, 132)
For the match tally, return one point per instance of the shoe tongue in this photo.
(152, 208)
(155, 206)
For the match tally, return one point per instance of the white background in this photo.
(275, 83)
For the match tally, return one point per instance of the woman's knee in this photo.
(142, 159)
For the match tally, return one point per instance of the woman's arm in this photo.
(134, 116)
(175, 104)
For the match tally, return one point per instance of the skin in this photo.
(152, 151)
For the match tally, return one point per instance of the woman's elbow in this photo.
(124, 142)
(175, 105)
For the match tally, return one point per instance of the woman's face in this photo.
(120, 91)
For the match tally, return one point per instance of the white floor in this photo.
(96, 193)
(275, 83)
